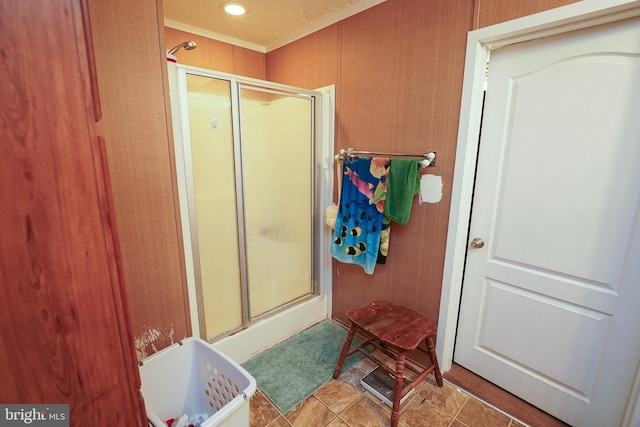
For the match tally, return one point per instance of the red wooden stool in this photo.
(395, 330)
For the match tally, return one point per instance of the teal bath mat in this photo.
(293, 370)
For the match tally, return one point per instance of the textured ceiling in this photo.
(267, 25)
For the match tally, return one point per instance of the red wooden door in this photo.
(63, 317)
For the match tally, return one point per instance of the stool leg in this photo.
(397, 389)
(345, 350)
(431, 350)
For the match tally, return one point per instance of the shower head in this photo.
(185, 45)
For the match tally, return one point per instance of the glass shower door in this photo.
(250, 191)
(212, 205)
(277, 153)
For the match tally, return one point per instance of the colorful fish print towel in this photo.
(356, 238)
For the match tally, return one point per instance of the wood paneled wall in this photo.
(311, 62)
(490, 12)
(216, 55)
(398, 68)
(130, 58)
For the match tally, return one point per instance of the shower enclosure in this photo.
(250, 160)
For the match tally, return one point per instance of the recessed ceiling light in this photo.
(235, 9)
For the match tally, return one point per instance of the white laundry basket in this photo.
(195, 379)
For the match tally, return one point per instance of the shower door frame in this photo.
(320, 275)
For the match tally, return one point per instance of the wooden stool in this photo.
(396, 331)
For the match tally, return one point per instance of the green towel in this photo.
(404, 183)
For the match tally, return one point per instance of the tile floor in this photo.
(344, 402)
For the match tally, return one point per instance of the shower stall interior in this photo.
(253, 171)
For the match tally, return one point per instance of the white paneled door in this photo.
(550, 306)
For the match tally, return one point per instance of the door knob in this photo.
(477, 243)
